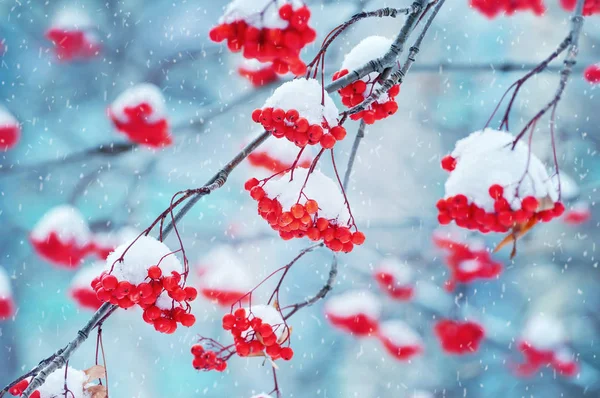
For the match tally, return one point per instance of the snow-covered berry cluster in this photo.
(72, 34)
(258, 73)
(146, 273)
(543, 343)
(306, 207)
(7, 305)
(267, 30)
(62, 237)
(373, 47)
(303, 113)
(493, 187)
(279, 155)
(459, 337)
(63, 382)
(10, 131)
(590, 7)
(81, 290)
(139, 112)
(206, 359)
(467, 261)
(592, 72)
(395, 279)
(224, 277)
(495, 7)
(259, 331)
(357, 312)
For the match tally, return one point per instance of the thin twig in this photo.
(359, 136)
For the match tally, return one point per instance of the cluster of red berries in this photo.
(459, 254)
(264, 160)
(459, 337)
(207, 360)
(302, 220)
(280, 46)
(355, 93)
(491, 8)
(18, 389)
(72, 44)
(502, 219)
(388, 283)
(139, 129)
(536, 359)
(592, 72)
(258, 77)
(590, 7)
(296, 129)
(261, 340)
(126, 295)
(9, 136)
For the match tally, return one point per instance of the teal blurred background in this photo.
(397, 180)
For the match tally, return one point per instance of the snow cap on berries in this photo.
(6, 299)
(142, 254)
(10, 130)
(400, 339)
(544, 332)
(81, 286)
(268, 314)
(319, 188)
(277, 155)
(71, 19)
(305, 95)
(66, 221)
(485, 158)
(105, 242)
(54, 386)
(395, 278)
(223, 275)
(356, 311)
(250, 10)
(7, 119)
(139, 94)
(370, 48)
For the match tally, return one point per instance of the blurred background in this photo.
(397, 180)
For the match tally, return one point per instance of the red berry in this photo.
(292, 115)
(311, 206)
(228, 321)
(297, 210)
(154, 272)
(558, 209)
(286, 11)
(257, 193)
(251, 183)
(286, 353)
(256, 115)
(315, 132)
(109, 282)
(338, 132)
(302, 125)
(529, 203)
(592, 74)
(322, 224)
(327, 141)
(496, 191)
(278, 115)
(358, 238)
(188, 320)
(448, 163)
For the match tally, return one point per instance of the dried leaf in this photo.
(97, 391)
(95, 372)
(285, 335)
(518, 232)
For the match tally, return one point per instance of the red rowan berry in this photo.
(335, 245)
(496, 191)
(286, 353)
(322, 224)
(188, 320)
(297, 210)
(251, 183)
(338, 132)
(313, 234)
(302, 125)
(286, 11)
(448, 163)
(228, 321)
(327, 141)
(191, 293)
(529, 203)
(444, 219)
(256, 115)
(292, 115)
(109, 282)
(311, 206)
(154, 272)
(558, 209)
(358, 238)
(257, 193)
